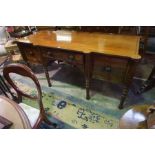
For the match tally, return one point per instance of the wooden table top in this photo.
(86, 42)
(13, 112)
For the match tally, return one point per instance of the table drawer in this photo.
(115, 75)
(33, 55)
(113, 61)
(109, 68)
(30, 53)
(64, 55)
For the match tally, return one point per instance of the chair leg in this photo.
(47, 75)
(123, 97)
(148, 85)
(46, 120)
(3, 91)
(38, 123)
(3, 83)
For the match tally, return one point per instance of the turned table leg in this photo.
(123, 97)
(87, 71)
(47, 75)
(130, 69)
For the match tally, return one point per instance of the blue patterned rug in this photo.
(71, 112)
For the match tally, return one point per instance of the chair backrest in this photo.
(23, 70)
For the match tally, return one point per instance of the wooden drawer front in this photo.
(116, 75)
(33, 55)
(64, 55)
(109, 68)
(115, 62)
(29, 53)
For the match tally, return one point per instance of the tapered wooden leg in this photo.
(130, 69)
(46, 73)
(87, 88)
(123, 97)
(87, 68)
(47, 76)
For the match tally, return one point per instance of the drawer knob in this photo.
(107, 69)
(49, 53)
(71, 57)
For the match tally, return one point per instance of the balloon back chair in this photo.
(35, 116)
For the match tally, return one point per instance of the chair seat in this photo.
(151, 121)
(135, 118)
(32, 113)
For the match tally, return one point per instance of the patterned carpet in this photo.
(66, 104)
(69, 113)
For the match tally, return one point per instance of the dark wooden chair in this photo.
(35, 116)
(149, 83)
(139, 117)
(4, 88)
(147, 42)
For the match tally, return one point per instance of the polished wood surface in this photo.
(111, 44)
(13, 112)
(110, 56)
